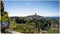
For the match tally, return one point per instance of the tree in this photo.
(21, 20)
(47, 24)
(4, 18)
(2, 6)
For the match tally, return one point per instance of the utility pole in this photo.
(37, 26)
(35, 19)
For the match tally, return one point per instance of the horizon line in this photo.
(30, 15)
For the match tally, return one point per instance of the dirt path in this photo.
(12, 32)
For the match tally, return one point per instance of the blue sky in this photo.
(31, 0)
(24, 8)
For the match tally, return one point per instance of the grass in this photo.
(56, 30)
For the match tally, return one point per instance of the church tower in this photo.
(35, 15)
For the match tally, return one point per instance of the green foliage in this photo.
(5, 17)
(2, 7)
(0, 17)
(22, 28)
(20, 20)
(40, 24)
(56, 30)
(29, 25)
(3, 14)
(48, 21)
(12, 26)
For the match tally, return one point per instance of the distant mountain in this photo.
(34, 16)
(53, 18)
